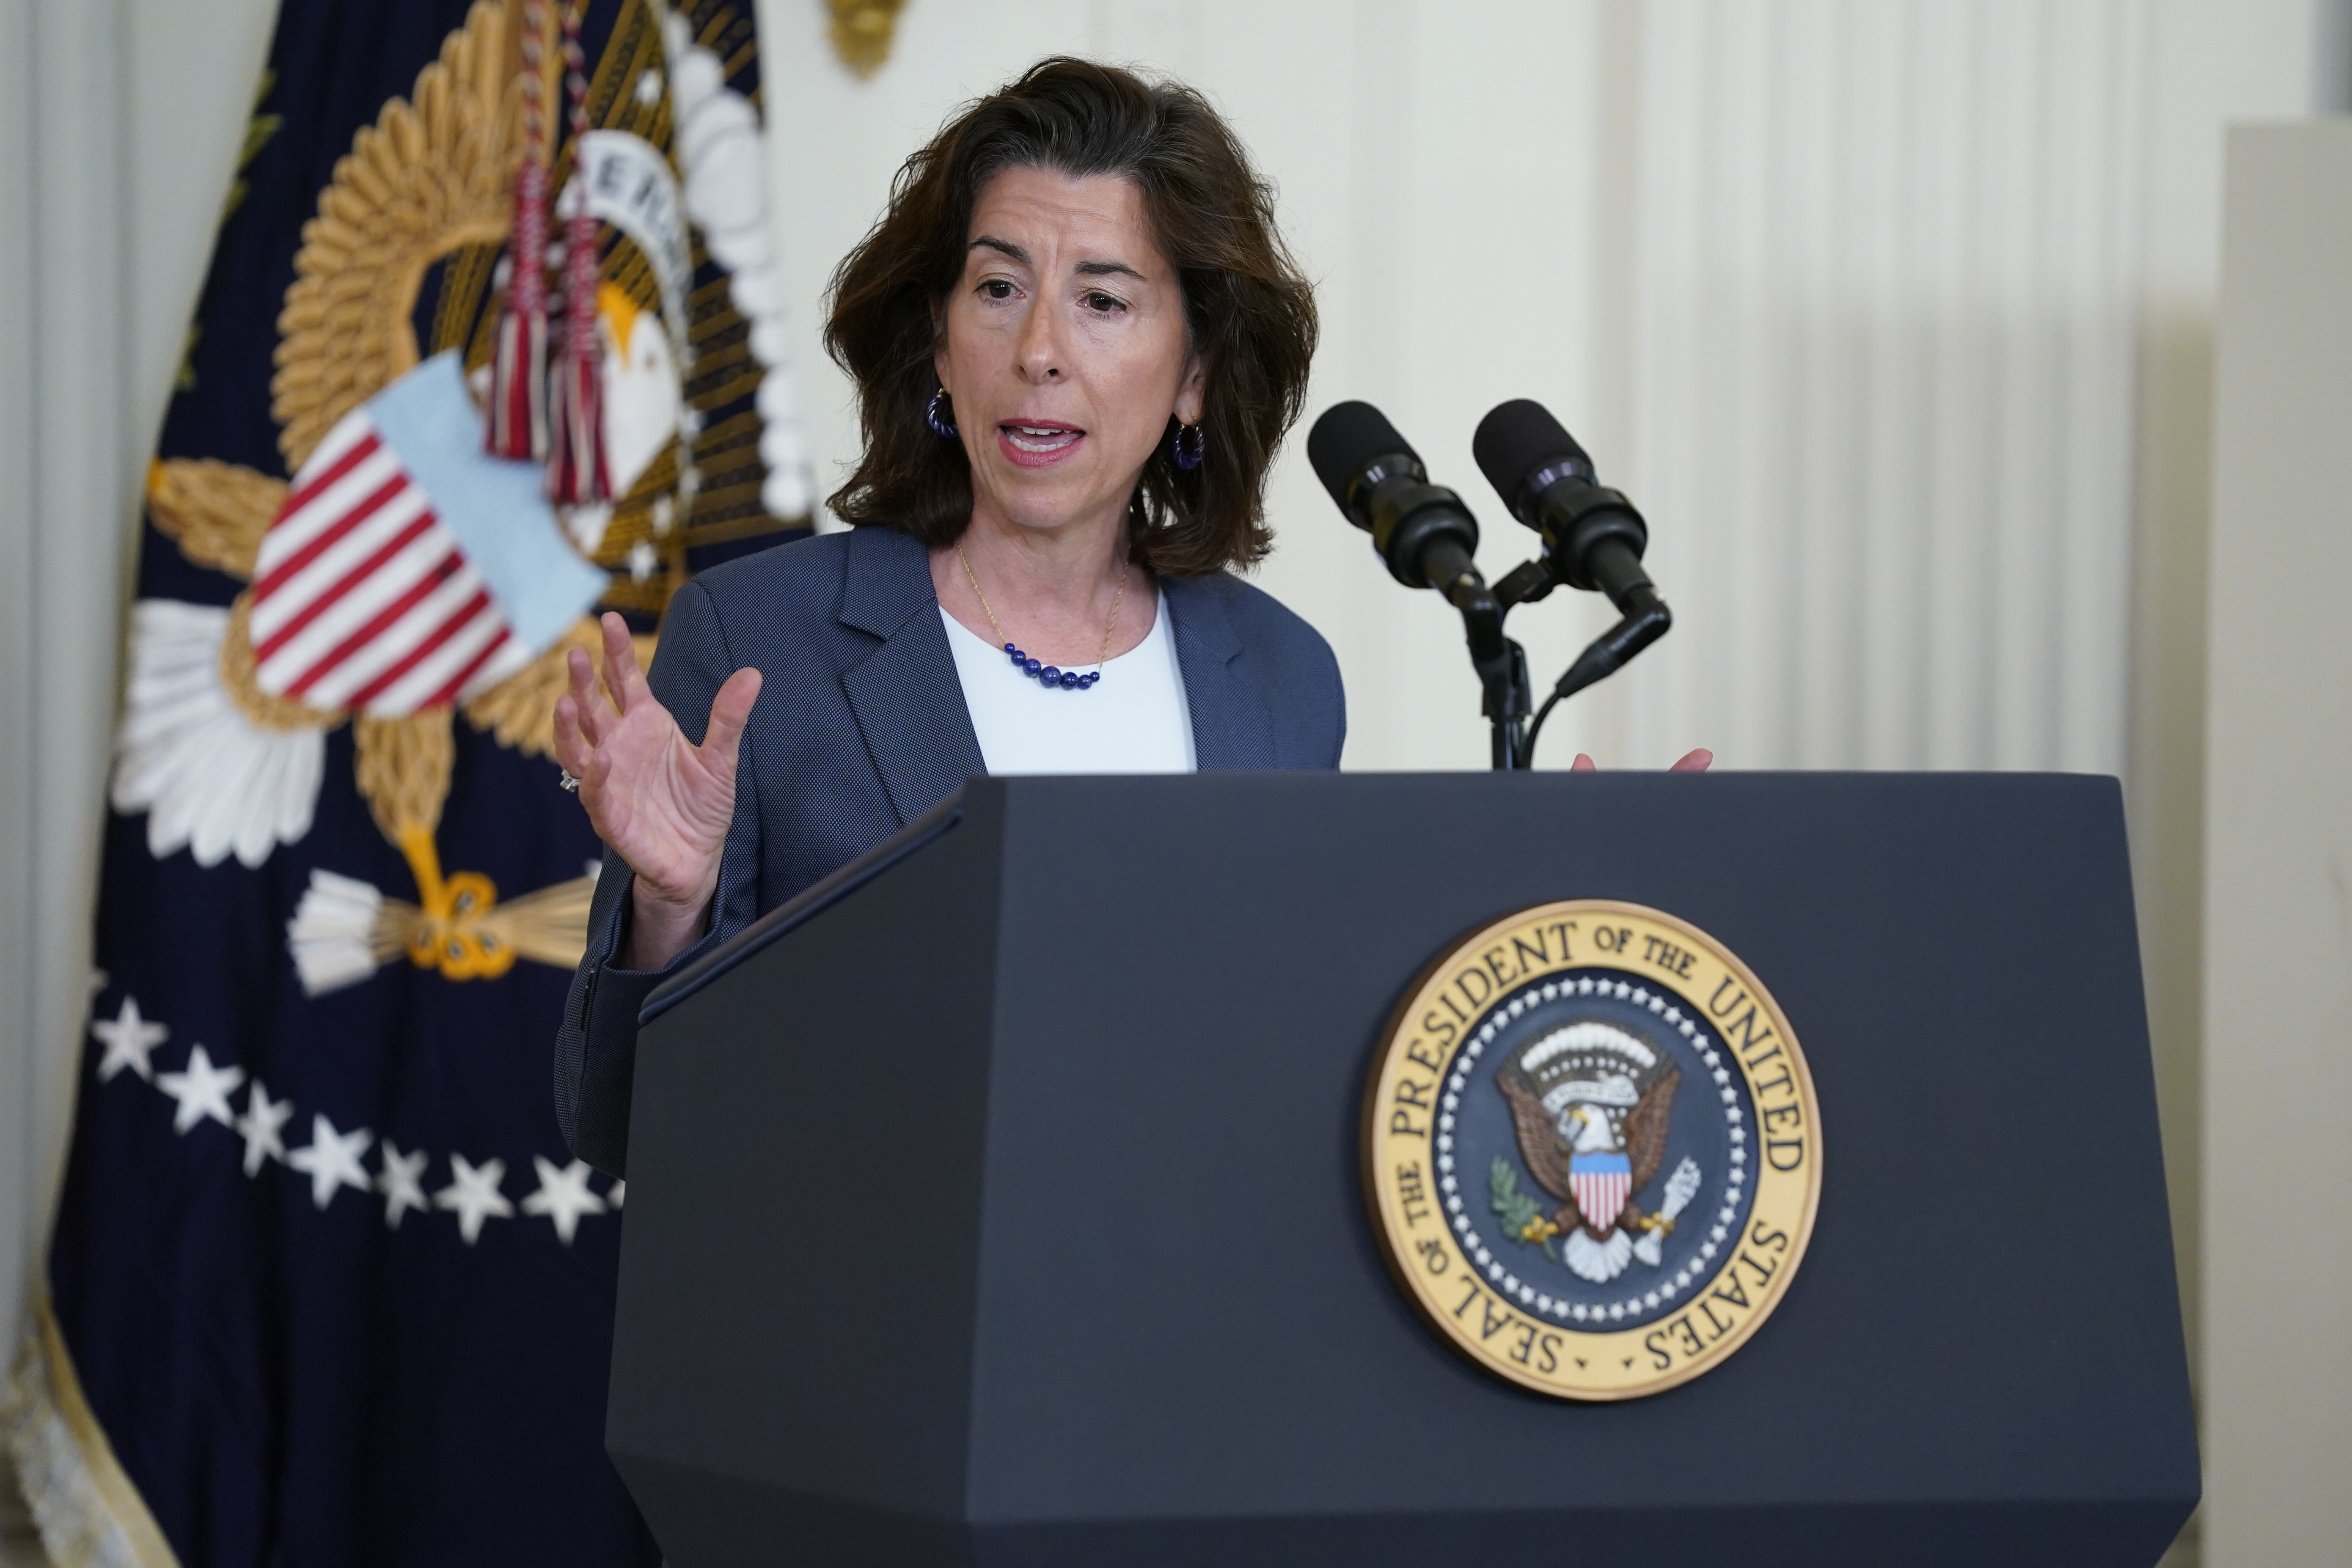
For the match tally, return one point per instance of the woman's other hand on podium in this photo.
(661, 802)
(1694, 761)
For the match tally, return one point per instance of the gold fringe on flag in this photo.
(89, 1513)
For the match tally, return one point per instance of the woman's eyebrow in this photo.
(1085, 269)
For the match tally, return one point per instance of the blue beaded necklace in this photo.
(1048, 675)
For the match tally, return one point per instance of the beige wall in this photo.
(2278, 862)
(2210, 64)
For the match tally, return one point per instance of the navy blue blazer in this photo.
(860, 728)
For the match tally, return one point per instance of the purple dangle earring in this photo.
(1185, 455)
(943, 425)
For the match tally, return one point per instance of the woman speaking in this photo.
(1077, 340)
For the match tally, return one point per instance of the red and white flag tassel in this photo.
(517, 423)
(577, 471)
(517, 427)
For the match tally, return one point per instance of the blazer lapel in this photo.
(906, 694)
(1232, 728)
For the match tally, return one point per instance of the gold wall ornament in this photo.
(1592, 1150)
(862, 31)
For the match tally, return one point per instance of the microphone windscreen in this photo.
(1348, 436)
(1519, 437)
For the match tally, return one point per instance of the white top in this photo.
(1133, 720)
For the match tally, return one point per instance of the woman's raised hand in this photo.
(662, 803)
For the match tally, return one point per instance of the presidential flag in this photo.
(490, 343)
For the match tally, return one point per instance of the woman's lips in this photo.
(1037, 445)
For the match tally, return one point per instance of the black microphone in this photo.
(1423, 530)
(1426, 535)
(1592, 536)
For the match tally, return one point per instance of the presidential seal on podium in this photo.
(1592, 1150)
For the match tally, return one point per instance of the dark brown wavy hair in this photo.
(1249, 313)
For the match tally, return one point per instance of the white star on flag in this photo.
(563, 1195)
(401, 1183)
(331, 1158)
(129, 1037)
(259, 1127)
(619, 1190)
(202, 1090)
(474, 1196)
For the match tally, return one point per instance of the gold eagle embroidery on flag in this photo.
(422, 201)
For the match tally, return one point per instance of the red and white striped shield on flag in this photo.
(1601, 1183)
(406, 568)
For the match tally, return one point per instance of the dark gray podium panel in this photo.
(1006, 1211)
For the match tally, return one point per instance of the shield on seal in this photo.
(1602, 1184)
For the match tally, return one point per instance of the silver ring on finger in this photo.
(567, 782)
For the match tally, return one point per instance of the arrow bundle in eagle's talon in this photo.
(1680, 1186)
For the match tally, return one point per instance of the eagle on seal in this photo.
(1591, 1103)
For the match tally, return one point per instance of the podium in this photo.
(998, 1200)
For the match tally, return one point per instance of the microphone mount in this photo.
(1425, 537)
(1593, 540)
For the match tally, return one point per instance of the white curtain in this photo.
(1881, 309)
(120, 124)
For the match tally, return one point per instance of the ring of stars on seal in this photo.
(1591, 1151)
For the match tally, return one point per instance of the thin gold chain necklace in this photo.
(1047, 674)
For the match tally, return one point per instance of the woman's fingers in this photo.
(730, 711)
(571, 747)
(623, 679)
(1695, 761)
(587, 712)
(578, 755)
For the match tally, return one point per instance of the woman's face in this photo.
(1064, 348)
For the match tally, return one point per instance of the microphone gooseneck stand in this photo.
(1500, 661)
(1502, 664)
(1644, 618)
